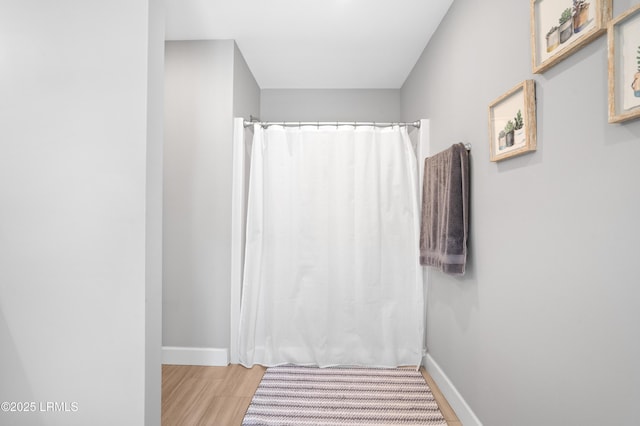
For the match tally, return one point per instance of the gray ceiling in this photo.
(315, 44)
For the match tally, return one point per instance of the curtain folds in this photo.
(331, 273)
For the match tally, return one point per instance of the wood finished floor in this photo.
(194, 395)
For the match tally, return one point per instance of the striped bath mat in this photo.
(292, 395)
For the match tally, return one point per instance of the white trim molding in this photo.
(466, 416)
(212, 357)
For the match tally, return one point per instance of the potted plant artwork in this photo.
(508, 130)
(553, 38)
(623, 39)
(518, 125)
(580, 15)
(566, 25)
(636, 78)
(512, 122)
(579, 21)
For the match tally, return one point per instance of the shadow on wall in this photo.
(458, 294)
(14, 386)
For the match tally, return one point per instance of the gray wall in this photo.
(197, 193)
(206, 84)
(330, 105)
(246, 92)
(543, 329)
(153, 295)
(74, 131)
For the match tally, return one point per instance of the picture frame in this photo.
(623, 36)
(559, 28)
(512, 122)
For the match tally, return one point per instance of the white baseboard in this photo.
(453, 397)
(195, 356)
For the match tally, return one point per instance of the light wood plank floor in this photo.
(194, 395)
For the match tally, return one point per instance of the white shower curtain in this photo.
(331, 273)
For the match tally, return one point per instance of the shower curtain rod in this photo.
(266, 124)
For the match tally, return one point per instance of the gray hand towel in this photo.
(445, 210)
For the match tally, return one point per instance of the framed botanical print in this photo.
(512, 122)
(560, 28)
(624, 66)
